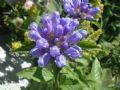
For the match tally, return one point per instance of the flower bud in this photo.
(75, 38)
(54, 51)
(44, 59)
(72, 53)
(34, 35)
(42, 43)
(56, 18)
(36, 52)
(84, 33)
(58, 31)
(94, 11)
(60, 61)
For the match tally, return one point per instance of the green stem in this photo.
(56, 71)
(57, 78)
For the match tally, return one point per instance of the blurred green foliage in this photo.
(111, 19)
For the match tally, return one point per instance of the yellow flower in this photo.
(16, 45)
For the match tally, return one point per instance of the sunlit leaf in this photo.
(87, 44)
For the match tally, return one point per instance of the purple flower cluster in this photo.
(56, 39)
(80, 8)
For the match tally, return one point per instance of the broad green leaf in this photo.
(30, 74)
(106, 77)
(96, 72)
(37, 74)
(100, 77)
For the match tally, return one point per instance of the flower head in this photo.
(80, 8)
(56, 39)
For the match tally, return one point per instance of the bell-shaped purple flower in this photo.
(35, 27)
(73, 53)
(42, 43)
(88, 17)
(76, 3)
(85, 1)
(45, 32)
(54, 51)
(67, 29)
(34, 35)
(47, 23)
(44, 59)
(60, 61)
(36, 52)
(77, 48)
(64, 21)
(75, 38)
(56, 18)
(58, 31)
(74, 23)
(84, 33)
(93, 11)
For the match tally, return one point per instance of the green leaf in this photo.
(40, 86)
(82, 61)
(71, 87)
(71, 75)
(106, 77)
(47, 75)
(102, 78)
(37, 74)
(68, 71)
(87, 44)
(96, 72)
